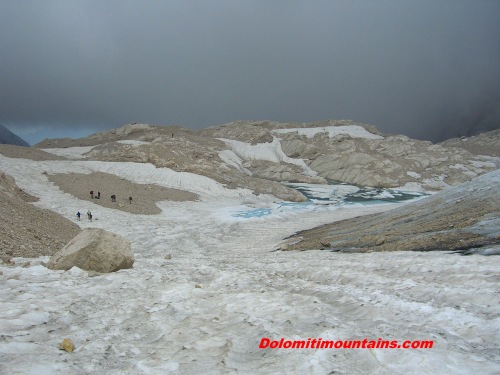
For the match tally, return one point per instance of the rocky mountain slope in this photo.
(260, 155)
(460, 218)
(26, 230)
(9, 138)
(482, 144)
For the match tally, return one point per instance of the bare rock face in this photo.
(464, 218)
(94, 250)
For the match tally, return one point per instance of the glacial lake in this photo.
(333, 195)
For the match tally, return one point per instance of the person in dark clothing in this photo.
(98, 195)
(91, 194)
(130, 200)
(78, 215)
(113, 198)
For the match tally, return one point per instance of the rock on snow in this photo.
(94, 250)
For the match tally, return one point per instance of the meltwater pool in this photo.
(330, 196)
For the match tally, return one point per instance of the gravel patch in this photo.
(26, 230)
(30, 153)
(144, 196)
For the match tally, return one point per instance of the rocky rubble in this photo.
(26, 230)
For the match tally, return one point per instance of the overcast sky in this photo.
(429, 69)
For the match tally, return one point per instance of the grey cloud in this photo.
(423, 68)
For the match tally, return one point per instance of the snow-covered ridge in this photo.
(355, 131)
(258, 155)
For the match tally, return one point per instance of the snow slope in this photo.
(270, 151)
(206, 309)
(355, 131)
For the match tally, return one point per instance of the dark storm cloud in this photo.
(428, 69)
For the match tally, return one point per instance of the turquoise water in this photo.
(257, 212)
(367, 195)
(333, 194)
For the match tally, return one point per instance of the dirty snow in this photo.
(70, 152)
(354, 131)
(270, 151)
(206, 309)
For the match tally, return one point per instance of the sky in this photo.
(429, 69)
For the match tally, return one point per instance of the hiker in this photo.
(98, 195)
(91, 194)
(89, 215)
(78, 215)
(113, 198)
(130, 200)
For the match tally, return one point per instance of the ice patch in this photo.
(233, 160)
(326, 197)
(252, 213)
(265, 151)
(346, 194)
(355, 131)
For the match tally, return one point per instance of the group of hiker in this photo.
(113, 197)
(89, 215)
(97, 196)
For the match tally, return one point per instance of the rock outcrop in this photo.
(354, 153)
(94, 250)
(460, 218)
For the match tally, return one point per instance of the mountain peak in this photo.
(9, 138)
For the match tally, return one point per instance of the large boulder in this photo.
(94, 250)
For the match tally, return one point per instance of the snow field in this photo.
(206, 309)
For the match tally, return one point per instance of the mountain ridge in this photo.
(9, 138)
(260, 155)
